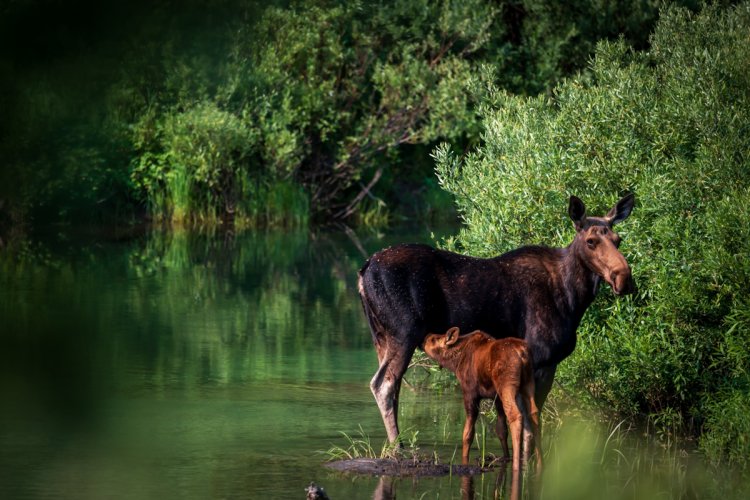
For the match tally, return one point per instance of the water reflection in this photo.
(493, 485)
(386, 489)
(180, 364)
(467, 486)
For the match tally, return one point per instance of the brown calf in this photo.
(491, 368)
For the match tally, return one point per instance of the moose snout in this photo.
(622, 282)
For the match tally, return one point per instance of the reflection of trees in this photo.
(216, 309)
(177, 309)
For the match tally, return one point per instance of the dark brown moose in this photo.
(499, 369)
(535, 293)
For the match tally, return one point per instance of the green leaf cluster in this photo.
(670, 125)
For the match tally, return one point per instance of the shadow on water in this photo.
(181, 364)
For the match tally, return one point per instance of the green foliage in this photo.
(671, 126)
(356, 447)
(198, 170)
(319, 94)
(548, 41)
(727, 428)
(335, 90)
(338, 99)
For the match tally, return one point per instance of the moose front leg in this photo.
(386, 384)
(543, 379)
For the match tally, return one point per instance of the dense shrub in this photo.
(671, 125)
(318, 96)
(548, 41)
(199, 169)
(335, 95)
(332, 91)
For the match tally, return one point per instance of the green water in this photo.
(181, 365)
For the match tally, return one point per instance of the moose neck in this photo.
(578, 282)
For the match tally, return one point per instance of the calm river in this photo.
(181, 365)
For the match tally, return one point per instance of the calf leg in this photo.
(501, 426)
(515, 421)
(471, 404)
(386, 384)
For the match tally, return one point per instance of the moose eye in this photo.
(591, 243)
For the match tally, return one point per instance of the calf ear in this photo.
(621, 210)
(451, 336)
(577, 211)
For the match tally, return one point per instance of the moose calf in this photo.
(491, 368)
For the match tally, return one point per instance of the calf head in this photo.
(442, 347)
(596, 244)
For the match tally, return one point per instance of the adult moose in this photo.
(535, 293)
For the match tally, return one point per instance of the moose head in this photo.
(597, 245)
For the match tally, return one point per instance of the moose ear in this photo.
(451, 336)
(576, 211)
(621, 210)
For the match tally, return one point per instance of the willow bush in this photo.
(671, 125)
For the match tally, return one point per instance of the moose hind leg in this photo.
(386, 384)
